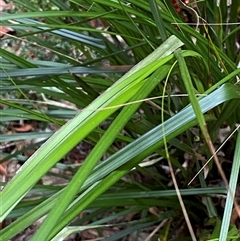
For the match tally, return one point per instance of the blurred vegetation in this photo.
(109, 109)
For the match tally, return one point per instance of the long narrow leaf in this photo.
(232, 185)
(76, 129)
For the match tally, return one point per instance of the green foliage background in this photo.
(64, 57)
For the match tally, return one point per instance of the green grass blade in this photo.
(152, 138)
(232, 185)
(158, 19)
(76, 129)
(128, 157)
(74, 186)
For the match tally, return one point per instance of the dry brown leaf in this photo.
(235, 218)
(3, 171)
(24, 128)
(5, 6)
(6, 30)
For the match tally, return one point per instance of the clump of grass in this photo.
(138, 121)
